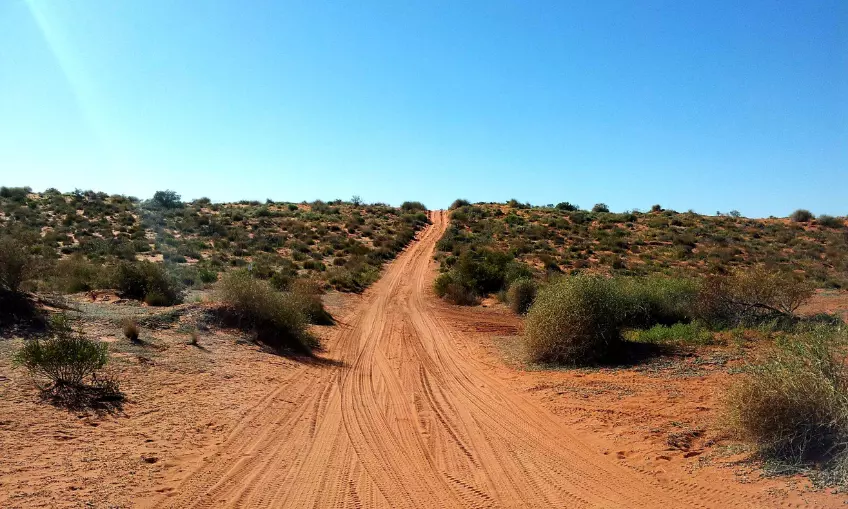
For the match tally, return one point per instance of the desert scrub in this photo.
(658, 299)
(130, 329)
(277, 318)
(65, 366)
(149, 282)
(793, 403)
(747, 296)
(521, 294)
(575, 321)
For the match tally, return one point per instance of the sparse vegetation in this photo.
(558, 239)
(78, 241)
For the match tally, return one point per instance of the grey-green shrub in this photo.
(66, 359)
(277, 318)
(802, 216)
(521, 294)
(655, 300)
(575, 320)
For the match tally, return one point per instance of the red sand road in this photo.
(398, 416)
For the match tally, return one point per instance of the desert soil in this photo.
(411, 404)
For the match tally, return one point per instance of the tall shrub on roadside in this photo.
(575, 321)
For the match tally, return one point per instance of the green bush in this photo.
(166, 199)
(655, 300)
(566, 206)
(413, 206)
(277, 318)
(830, 221)
(459, 203)
(801, 216)
(149, 282)
(77, 274)
(793, 404)
(521, 294)
(600, 207)
(67, 359)
(575, 320)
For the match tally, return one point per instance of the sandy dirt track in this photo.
(398, 416)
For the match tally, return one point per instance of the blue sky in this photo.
(706, 105)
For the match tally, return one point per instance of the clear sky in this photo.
(709, 105)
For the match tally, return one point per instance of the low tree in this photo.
(167, 199)
(600, 207)
(802, 216)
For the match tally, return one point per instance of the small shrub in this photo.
(67, 359)
(149, 282)
(76, 274)
(600, 207)
(575, 320)
(830, 221)
(277, 318)
(521, 294)
(459, 203)
(801, 216)
(16, 264)
(793, 404)
(130, 329)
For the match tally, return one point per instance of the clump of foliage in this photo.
(752, 295)
(521, 294)
(149, 282)
(830, 221)
(600, 207)
(17, 265)
(567, 206)
(166, 199)
(801, 216)
(459, 203)
(477, 273)
(658, 299)
(793, 403)
(65, 366)
(574, 321)
(277, 318)
(413, 206)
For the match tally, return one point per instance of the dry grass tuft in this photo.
(793, 403)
